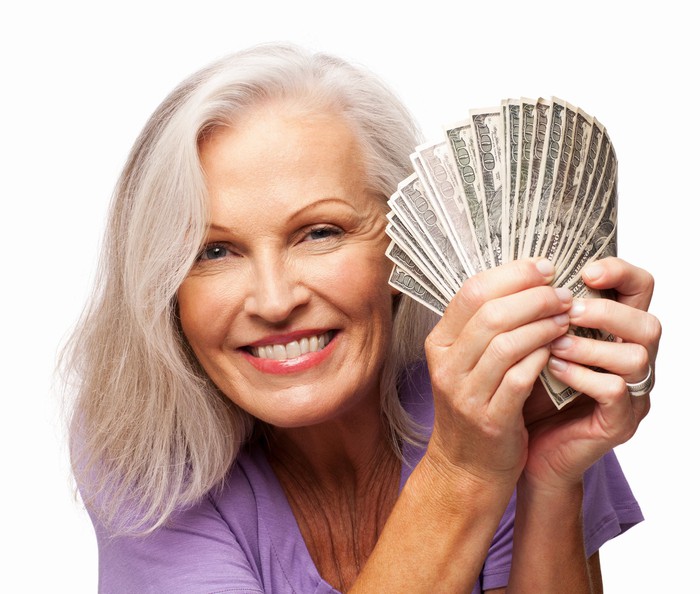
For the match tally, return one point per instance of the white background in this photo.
(80, 79)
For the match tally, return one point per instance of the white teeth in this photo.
(294, 349)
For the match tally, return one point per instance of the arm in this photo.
(548, 519)
(484, 357)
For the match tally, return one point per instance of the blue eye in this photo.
(323, 233)
(214, 251)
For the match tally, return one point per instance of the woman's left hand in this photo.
(564, 444)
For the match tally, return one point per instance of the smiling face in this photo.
(288, 308)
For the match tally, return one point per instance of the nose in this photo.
(275, 290)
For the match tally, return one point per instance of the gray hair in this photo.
(149, 432)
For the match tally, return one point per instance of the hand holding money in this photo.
(529, 178)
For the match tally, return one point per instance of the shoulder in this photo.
(197, 550)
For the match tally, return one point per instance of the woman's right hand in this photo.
(484, 357)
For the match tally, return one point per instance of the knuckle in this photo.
(652, 329)
(648, 283)
(440, 377)
(616, 388)
(473, 293)
(502, 346)
(430, 345)
(490, 316)
(640, 356)
(518, 382)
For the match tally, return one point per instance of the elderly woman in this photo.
(255, 412)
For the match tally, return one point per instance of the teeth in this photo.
(294, 349)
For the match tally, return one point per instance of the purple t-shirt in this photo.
(244, 538)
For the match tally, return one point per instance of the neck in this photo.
(341, 480)
(335, 454)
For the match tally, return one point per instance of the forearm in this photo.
(437, 536)
(548, 545)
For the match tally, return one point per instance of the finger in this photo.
(628, 323)
(491, 324)
(619, 413)
(487, 285)
(628, 360)
(517, 384)
(494, 370)
(633, 285)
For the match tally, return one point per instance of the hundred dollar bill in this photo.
(527, 125)
(487, 131)
(511, 145)
(405, 282)
(411, 190)
(400, 234)
(579, 150)
(565, 150)
(552, 148)
(599, 231)
(542, 109)
(404, 262)
(433, 166)
(463, 157)
(592, 173)
(588, 198)
(529, 178)
(403, 213)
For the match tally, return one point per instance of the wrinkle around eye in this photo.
(213, 251)
(324, 233)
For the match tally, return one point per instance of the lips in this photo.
(282, 351)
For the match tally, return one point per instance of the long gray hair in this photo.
(149, 432)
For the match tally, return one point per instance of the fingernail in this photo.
(561, 319)
(545, 267)
(564, 295)
(563, 342)
(593, 271)
(577, 308)
(557, 364)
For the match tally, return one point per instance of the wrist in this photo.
(453, 486)
(563, 497)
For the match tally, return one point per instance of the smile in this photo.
(293, 349)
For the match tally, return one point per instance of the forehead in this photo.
(278, 157)
(282, 139)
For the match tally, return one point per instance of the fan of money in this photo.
(526, 178)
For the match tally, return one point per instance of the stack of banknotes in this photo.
(530, 177)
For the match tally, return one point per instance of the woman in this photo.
(253, 412)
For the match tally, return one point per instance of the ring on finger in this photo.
(644, 387)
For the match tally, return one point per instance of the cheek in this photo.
(361, 282)
(204, 307)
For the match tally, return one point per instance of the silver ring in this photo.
(644, 387)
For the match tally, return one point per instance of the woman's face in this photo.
(288, 308)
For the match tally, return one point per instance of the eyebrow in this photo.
(321, 203)
(296, 214)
